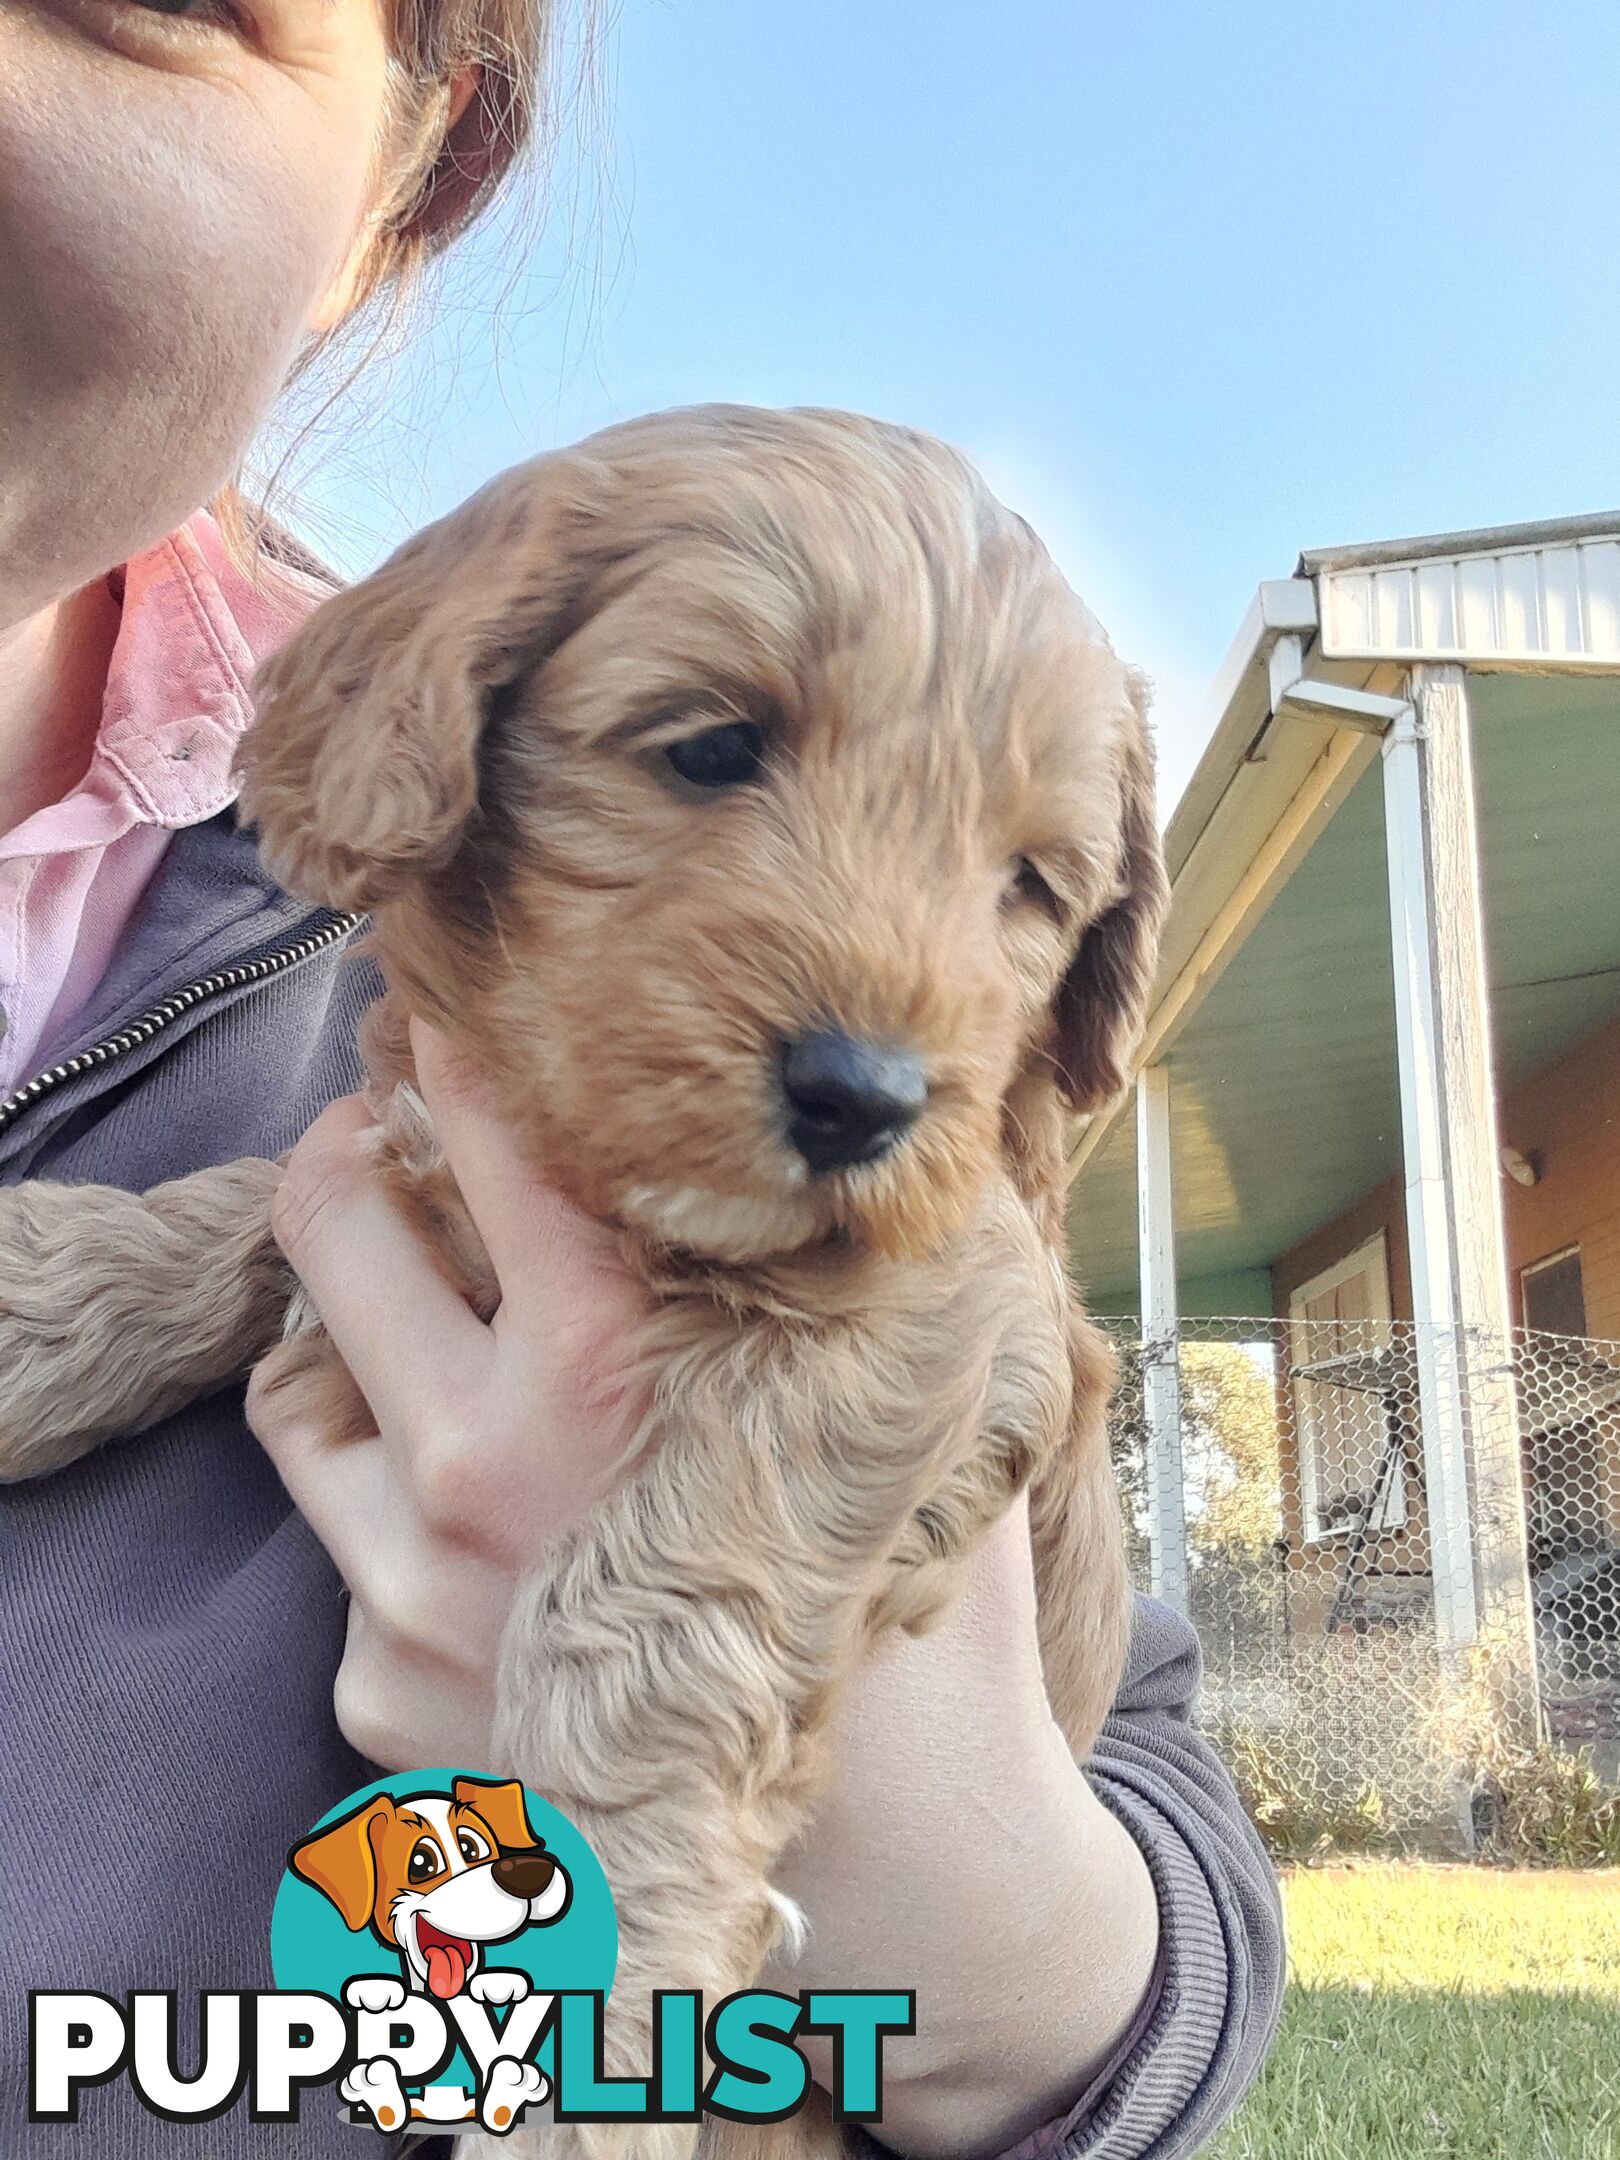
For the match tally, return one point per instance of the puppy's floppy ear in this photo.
(361, 768)
(341, 1861)
(1103, 1000)
(502, 1808)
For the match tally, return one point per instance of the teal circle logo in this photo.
(444, 1945)
(453, 1891)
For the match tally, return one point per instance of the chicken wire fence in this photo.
(1400, 1546)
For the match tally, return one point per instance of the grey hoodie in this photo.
(170, 1627)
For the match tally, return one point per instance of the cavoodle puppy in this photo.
(753, 798)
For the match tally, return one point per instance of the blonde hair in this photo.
(443, 176)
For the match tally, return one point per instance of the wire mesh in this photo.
(1401, 1549)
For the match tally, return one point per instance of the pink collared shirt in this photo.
(192, 629)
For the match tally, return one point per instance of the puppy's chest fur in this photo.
(945, 1383)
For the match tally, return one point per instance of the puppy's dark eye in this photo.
(721, 757)
(1027, 888)
(472, 1847)
(426, 1859)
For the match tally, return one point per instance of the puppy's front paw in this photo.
(375, 1992)
(498, 1987)
(375, 2086)
(794, 1922)
(39, 1426)
(510, 2087)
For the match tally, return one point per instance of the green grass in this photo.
(1443, 2014)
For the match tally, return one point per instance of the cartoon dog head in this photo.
(436, 1875)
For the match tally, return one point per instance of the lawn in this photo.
(1443, 2014)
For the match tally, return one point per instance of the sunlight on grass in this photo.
(1438, 1928)
(1444, 2014)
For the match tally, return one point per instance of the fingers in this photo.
(410, 1341)
(998, 1592)
(433, 1612)
(403, 1716)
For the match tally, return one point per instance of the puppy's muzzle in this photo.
(848, 1101)
(524, 1874)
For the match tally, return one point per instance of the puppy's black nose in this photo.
(848, 1101)
(525, 1874)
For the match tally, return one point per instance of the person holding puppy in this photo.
(188, 202)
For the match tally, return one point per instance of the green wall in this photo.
(1245, 1292)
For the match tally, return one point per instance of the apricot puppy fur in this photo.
(753, 798)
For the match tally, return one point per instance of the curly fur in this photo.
(117, 1309)
(850, 1376)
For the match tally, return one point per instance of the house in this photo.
(1376, 1130)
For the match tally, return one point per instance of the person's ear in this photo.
(1102, 1002)
(361, 767)
(463, 84)
(451, 157)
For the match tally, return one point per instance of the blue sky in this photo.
(1197, 284)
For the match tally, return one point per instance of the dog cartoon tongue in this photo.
(447, 1959)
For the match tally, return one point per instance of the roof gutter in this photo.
(1261, 794)
(1236, 707)
(1253, 807)
(1480, 540)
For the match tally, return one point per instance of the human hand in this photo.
(491, 1439)
(960, 1852)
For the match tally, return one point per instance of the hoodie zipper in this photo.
(159, 1016)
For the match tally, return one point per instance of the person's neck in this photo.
(53, 674)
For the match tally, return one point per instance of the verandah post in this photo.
(1161, 1344)
(1450, 1145)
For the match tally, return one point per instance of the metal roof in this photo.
(1553, 603)
(1564, 608)
(1272, 1006)
(1480, 540)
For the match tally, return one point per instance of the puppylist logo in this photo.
(442, 1946)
